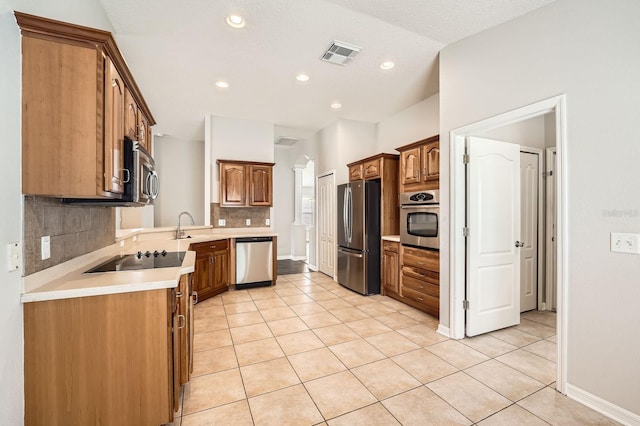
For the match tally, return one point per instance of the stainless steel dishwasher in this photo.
(254, 262)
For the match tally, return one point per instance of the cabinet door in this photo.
(175, 334)
(371, 169)
(220, 270)
(202, 274)
(232, 185)
(131, 116)
(260, 186)
(114, 129)
(431, 161)
(355, 172)
(390, 268)
(410, 167)
(144, 133)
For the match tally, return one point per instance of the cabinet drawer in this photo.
(422, 287)
(355, 172)
(390, 246)
(423, 259)
(371, 169)
(209, 246)
(431, 302)
(421, 275)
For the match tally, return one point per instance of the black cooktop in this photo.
(147, 260)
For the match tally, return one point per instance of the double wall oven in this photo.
(420, 219)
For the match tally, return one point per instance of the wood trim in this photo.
(274, 251)
(35, 26)
(374, 157)
(249, 163)
(419, 143)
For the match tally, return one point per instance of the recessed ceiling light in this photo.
(387, 65)
(222, 84)
(336, 105)
(236, 21)
(302, 77)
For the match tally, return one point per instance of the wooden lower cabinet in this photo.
(390, 267)
(417, 278)
(111, 360)
(211, 275)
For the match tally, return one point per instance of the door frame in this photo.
(331, 172)
(457, 207)
(542, 281)
(549, 204)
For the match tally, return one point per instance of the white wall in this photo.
(87, 13)
(235, 139)
(181, 171)
(529, 133)
(417, 122)
(283, 199)
(589, 51)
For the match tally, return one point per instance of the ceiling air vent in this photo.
(340, 53)
(284, 141)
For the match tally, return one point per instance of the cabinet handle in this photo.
(184, 321)
(195, 297)
(421, 299)
(178, 294)
(128, 173)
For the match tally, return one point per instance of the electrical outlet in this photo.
(625, 243)
(45, 247)
(248, 222)
(14, 251)
(267, 222)
(222, 222)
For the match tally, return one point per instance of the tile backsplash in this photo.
(74, 231)
(236, 217)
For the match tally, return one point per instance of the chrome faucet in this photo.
(179, 232)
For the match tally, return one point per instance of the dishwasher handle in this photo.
(253, 239)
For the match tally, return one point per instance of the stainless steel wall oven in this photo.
(420, 219)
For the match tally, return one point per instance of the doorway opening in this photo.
(458, 208)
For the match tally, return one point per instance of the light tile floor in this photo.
(308, 352)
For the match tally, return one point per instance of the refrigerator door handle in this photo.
(353, 253)
(350, 215)
(345, 213)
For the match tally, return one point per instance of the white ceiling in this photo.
(178, 49)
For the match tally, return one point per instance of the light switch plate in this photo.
(14, 250)
(248, 222)
(625, 243)
(267, 222)
(222, 222)
(45, 247)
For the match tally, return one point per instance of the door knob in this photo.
(519, 244)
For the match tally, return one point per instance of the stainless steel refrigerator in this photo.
(359, 236)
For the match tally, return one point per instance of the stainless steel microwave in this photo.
(420, 219)
(140, 180)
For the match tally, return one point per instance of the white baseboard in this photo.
(602, 406)
(443, 330)
(314, 268)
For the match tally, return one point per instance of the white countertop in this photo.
(395, 238)
(68, 280)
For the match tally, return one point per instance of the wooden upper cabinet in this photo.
(245, 183)
(383, 167)
(420, 165)
(75, 87)
(114, 129)
(410, 168)
(233, 185)
(260, 186)
(144, 132)
(355, 172)
(131, 116)
(372, 169)
(431, 161)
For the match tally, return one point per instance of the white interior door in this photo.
(493, 219)
(327, 224)
(529, 231)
